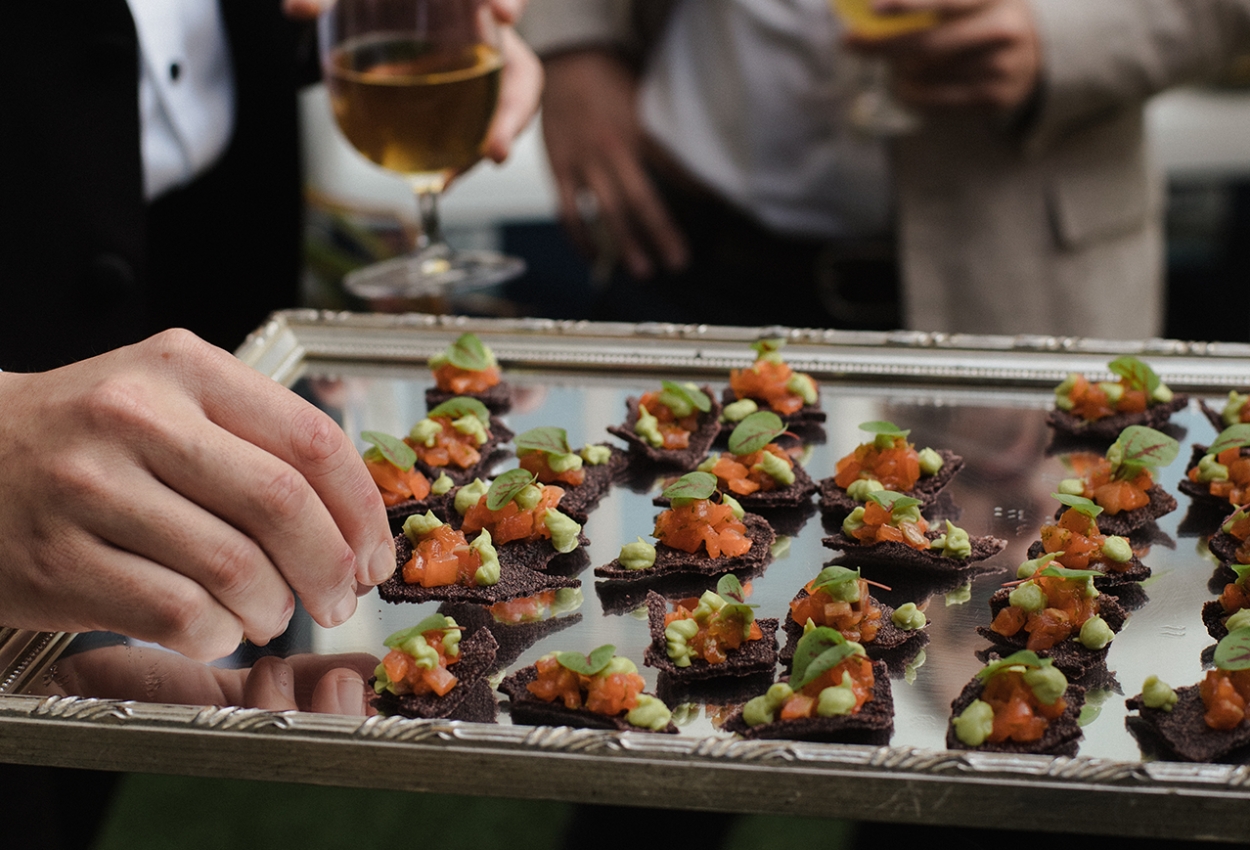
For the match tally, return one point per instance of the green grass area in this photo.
(190, 814)
(210, 814)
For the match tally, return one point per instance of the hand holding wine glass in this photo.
(874, 109)
(415, 85)
(977, 54)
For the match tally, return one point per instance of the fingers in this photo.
(633, 211)
(984, 53)
(595, 147)
(303, 10)
(270, 685)
(519, 94)
(298, 475)
(140, 598)
(507, 11)
(612, 208)
(331, 684)
(271, 502)
(255, 462)
(971, 80)
(341, 691)
(942, 8)
(649, 213)
(169, 492)
(159, 525)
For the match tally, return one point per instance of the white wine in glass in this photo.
(861, 20)
(414, 85)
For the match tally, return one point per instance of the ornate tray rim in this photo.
(902, 784)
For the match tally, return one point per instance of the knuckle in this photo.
(176, 341)
(342, 572)
(119, 401)
(86, 479)
(284, 496)
(232, 568)
(337, 579)
(181, 613)
(59, 556)
(315, 438)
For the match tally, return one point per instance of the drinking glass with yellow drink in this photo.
(861, 20)
(873, 107)
(414, 85)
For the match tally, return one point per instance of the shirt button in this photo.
(175, 71)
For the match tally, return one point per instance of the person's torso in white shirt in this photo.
(751, 97)
(186, 90)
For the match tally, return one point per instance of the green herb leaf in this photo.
(470, 354)
(505, 488)
(398, 453)
(756, 431)
(692, 485)
(833, 576)
(893, 501)
(430, 623)
(698, 398)
(1136, 374)
(763, 347)
(1233, 652)
(1235, 436)
(549, 440)
(817, 651)
(739, 611)
(1145, 447)
(587, 665)
(1242, 570)
(1083, 505)
(1026, 657)
(1089, 713)
(462, 405)
(883, 427)
(730, 588)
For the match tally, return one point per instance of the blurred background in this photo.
(357, 212)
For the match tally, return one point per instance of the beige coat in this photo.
(1056, 230)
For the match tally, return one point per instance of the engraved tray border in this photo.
(890, 783)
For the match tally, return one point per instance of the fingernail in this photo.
(382, 563)
(350, 692)
(343, 611)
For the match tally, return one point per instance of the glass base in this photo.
(435, 275)
(876, 113)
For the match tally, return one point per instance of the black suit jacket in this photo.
(85, 264)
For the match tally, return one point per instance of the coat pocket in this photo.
(1102, 185)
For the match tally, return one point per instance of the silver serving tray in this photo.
(934, 377)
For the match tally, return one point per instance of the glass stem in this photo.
(431, 230)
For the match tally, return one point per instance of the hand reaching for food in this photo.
(168, 492)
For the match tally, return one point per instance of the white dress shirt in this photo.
(751, 97)
(186, 90)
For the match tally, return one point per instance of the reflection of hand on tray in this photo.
(327, 684)
(168, 492)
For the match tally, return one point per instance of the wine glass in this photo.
(414, 85)
(874, 109)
